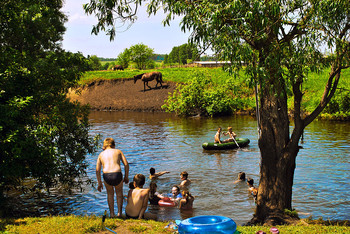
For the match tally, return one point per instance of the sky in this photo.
(147, 30)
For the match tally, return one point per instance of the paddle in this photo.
(236, 142)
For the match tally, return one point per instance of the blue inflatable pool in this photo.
(207, 224)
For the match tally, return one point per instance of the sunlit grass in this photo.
(93, 224)
(169, 74)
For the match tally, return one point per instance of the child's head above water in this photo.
(131, 185)
(250, 181)
(152, 171)
(184, 175)
(241, 176)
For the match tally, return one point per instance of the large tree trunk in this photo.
(278, 154)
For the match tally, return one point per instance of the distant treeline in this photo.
(182, 54)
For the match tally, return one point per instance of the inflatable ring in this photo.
(207, 224)
(166, 202)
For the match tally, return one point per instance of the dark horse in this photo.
(118, 67)
(145, 77)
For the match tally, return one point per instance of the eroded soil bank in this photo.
(122, 95)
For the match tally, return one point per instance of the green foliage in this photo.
(200, 95)
(123, 58)
(43, 136)
(140, 54)
(291, 213)
(94, 63)
(181, 54)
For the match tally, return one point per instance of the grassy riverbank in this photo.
(313, 87)
(93, 224)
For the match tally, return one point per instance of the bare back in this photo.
(110, 160)
(137, 202)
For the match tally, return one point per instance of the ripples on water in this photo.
(169, 143)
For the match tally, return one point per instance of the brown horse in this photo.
(145, 77)
(118, 67)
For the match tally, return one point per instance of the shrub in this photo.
(200, 96)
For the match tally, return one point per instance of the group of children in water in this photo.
(138, 197)
(250, 182)
(180, 195)
(109, 161)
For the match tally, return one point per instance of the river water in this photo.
(166, 142)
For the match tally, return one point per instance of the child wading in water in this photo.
(241, 177)
(154, 196)
(187, 201)
(185, 181)
(153, 175)
(252, 189)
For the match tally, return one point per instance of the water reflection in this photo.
(173, 144)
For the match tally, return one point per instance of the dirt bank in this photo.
(122, 95)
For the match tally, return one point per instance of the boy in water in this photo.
(217, 136)
(186, 202)
(241, 177)
(137, 199)
(109, 159)
(185, 181)
(176, 195)
(231, 134)
(252, 189)
(154, 196)
(153, 175)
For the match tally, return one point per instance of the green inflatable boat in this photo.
(242, 142)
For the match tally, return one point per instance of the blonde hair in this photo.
(186, 195)
(229, 129)
(108, 142)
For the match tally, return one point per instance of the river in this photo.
(170, 143)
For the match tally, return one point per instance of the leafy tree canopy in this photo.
(123, 58)
(182, 54)
(43, 135)
(141, 55)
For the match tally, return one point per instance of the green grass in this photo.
(313, 86)
(169, 74)
(93, 224)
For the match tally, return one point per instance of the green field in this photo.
(313, 87)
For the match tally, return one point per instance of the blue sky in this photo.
(147, 30)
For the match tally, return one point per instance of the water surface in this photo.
(166, 142)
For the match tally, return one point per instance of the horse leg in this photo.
(148, 85)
